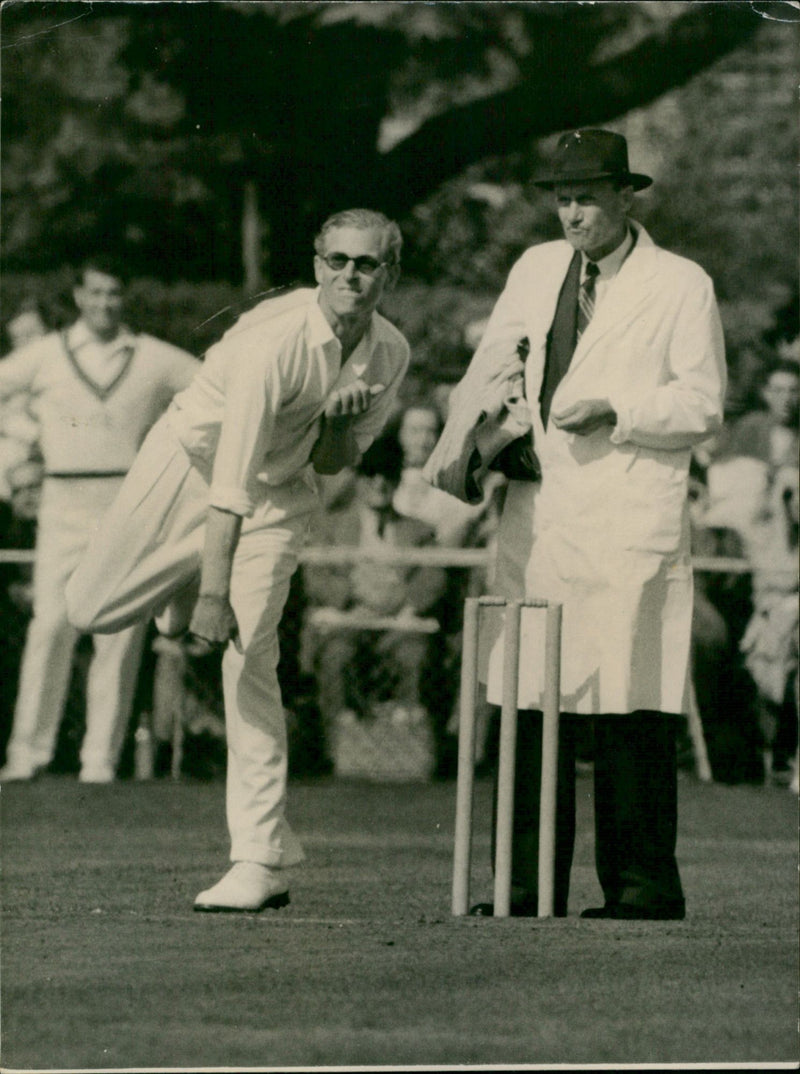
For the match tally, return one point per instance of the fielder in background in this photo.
(623, 367)
(223, 492)
(95, 388)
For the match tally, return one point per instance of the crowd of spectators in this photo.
(745, 508)
(21, 475)
(368, 642)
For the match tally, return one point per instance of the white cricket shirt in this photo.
(252, 413)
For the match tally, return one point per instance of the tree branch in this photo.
(558, 100)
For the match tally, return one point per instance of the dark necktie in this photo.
(561, 337)
(586, 297)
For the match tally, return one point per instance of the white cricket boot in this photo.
(97, 772)
(247, 887)
(17, 772)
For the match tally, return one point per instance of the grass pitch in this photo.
(105, 965)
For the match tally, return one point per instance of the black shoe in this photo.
(623, 911)
(523, 908)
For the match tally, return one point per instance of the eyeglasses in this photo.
(364, 265)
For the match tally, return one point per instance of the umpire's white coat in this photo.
(606, 532)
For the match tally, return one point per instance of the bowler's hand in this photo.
(351, 399)
(336, 445)
(213, 625)
(585, 417)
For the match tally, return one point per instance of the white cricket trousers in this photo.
(146, 552)
(70, 511)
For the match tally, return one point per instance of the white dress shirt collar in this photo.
(610, 264)
(319, 329)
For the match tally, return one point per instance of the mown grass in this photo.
(106, 966)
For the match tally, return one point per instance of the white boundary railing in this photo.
(427, 557)
(480, 557)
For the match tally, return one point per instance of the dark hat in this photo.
(591, 154)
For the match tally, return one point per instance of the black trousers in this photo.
(636, 807)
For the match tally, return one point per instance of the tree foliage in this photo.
(142, 123)
(147, 127)
(722, 149)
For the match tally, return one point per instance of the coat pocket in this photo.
(654, 503)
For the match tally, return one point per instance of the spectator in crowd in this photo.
(722, 606)
(749, 469)
(355, 664)
(746, 455)
(417, 428)
(18, 533)
(771, 435)
(770, 643)
(623, 373)
(97, 388)
(26, 324)
(19, 428)
(456, 525)
(19, 437)
(25, 481)
(222, 487)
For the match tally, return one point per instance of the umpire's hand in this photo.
(585, 417)
(213, 625)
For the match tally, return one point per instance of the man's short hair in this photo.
(108, 264)
(362, 220)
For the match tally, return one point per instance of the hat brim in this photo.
(636, 179)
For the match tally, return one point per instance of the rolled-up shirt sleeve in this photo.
(689, 406)
(252, 400)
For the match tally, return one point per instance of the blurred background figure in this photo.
(371, 624)
(724, 693)
(19, 428)
(18, 520)
(27, 324)
(770, 643)
(742, 461)
(748, 497)
(21, 510)
(96, 388)
(18, 514)
(771, 434)
(417, 428)
(456, 525)
(19, 438)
